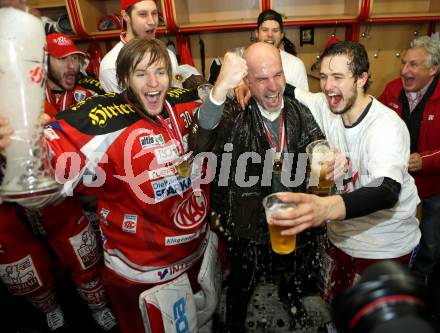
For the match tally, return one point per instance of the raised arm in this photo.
(209, 115)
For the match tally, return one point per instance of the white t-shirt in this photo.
(294, 70)
(107, 68)
(378, 146)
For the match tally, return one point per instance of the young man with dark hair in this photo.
(374, 218)
(66, 85)
(270, 30)
(142, 19)
(130, 150)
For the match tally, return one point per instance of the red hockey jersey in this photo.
(153, 220)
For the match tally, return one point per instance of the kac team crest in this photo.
(192, 211)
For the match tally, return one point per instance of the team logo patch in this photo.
(166, 154)
(79, 95)
(151, 141)
(431, 117)
(191, 211)
(130, 223)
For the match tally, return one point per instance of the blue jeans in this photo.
(428, 254)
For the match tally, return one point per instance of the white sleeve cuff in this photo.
(213, 101)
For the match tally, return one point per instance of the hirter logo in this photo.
(192, 211)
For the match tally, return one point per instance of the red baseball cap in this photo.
(125, 4)
(332, 41)
(60, 45)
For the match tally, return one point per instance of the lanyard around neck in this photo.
(172, 128)
(282, 137)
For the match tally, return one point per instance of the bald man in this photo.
(255, 133)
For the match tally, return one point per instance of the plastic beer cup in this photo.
(280, 244)
(319, 152)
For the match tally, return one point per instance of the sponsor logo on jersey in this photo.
(101, 114)
(166, 154)
(129, 224)
(85, 246)
(171, 186)
(170, 241)
(21, 276)
(89, 81)
(162, 172)
(172, 270)
(50, 134)
(191, 211)
(431, 117)
(175, 92)
(151, 141)
(104, 214)
(79, 95)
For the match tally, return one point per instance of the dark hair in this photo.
(129, 10)
(289, 47)
(134, 51)
(357, 55)
(270, 15)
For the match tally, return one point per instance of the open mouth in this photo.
(69, 79)
(152, 97)
(408, 81)
(150, 31)
(334, 99)
(272, 100)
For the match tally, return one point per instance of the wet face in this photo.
(144, 19)
(266, 79)
(414, 70)
(149, 83)
(63, 72)
(270, 32)
(338, 84)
